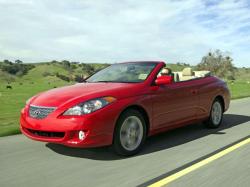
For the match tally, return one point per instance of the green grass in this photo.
(239, 89)
(12, 101)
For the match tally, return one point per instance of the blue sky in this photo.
(112, 31)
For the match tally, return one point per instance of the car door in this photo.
(174, 103)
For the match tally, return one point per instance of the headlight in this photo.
(89, 106)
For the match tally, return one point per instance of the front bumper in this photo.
(98, 128)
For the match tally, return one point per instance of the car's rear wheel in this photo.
(216, 115)
(130, 133)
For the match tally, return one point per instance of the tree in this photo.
(219, 63)
(18, 61)
(88, 69)
(53, 62)
(7, 62)
(18, 69)
(66, 63)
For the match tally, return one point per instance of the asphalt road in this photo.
(24, 162)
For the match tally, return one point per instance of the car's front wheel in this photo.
(216, 115)
(130, 133)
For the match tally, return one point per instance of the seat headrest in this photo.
(187, 72)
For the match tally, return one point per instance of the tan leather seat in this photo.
(187, 74)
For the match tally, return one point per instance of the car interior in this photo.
(188, 74)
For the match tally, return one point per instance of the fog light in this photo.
(81, 135)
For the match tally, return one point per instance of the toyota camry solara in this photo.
(123, 104)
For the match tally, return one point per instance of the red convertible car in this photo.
(123, 104)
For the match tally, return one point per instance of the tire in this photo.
(216, 115)
(130, 133)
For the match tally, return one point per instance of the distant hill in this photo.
(55, 72)
(47, 71)
(59, 73)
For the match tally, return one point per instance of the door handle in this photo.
(194, 92)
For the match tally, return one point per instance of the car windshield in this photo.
(124, 73)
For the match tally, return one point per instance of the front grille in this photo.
(40, 112)
(47, 134)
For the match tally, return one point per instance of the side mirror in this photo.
(163, 80)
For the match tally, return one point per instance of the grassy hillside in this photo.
(242, 74)
(44, 76)
(12, 100)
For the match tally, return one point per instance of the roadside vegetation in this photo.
(221, 65)
(19, 81)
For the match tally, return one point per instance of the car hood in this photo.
(83, 92)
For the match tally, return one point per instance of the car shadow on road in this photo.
(155, 143)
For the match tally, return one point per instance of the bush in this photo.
(45, 74)
(63, 77)
(79, 78)
(17, 68)
(218, 63)
(73, 66)
(231, 78)
(88, 69)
